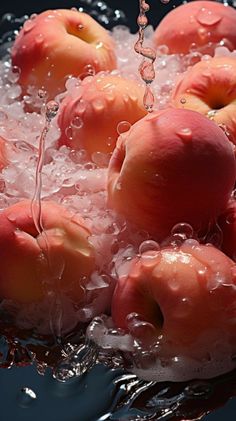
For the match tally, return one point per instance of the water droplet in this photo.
(149, 245)
(80, 27)
(207, 17)
(185, 134)
(184, 230)
(182, 100)
(77, 122)
(26, 397)
(52, 108)
(123, 127)
(39, 38)
(14, 74)
(28, 25)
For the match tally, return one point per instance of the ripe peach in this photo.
(89, 117)
(172, 166)
(209, 87)
(186, 293)
(3, 155)
(59, 258)
(58, 43)
(199, 23)
(227, 223)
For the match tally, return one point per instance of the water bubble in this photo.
(207, 17)
(149, 245)
(52, 108)
(26, 397)
(77, 122)
(123, 127)
(14, 74)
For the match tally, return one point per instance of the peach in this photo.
(209, 87)
(59, 43)
(196, 23)
(59, 258)
(3, 154)
(172, 166)
(186, 293)
(227, 223)
(89, 117)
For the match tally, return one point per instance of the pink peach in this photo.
(59, 43)
(59, 258)
(186, 293)
(89, 116)
(196, 23)
(209, 87)
(172, 166)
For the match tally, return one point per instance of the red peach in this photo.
(186, 293)
(60, 257)
(3, 155)
(209, 87)
(172, 166)
(227, 223)
(198, 23)
(59, 43)
(92, 114)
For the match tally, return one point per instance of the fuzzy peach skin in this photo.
(59, 258)
(59, 43)
(227, 223)
(187, 293)
(89, 117)
(172, 166)
(3, 154)
(199, 23)
(209, 87)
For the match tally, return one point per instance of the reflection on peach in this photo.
(89, 117)
(59, 43)
(58, 259)
(3, 155)
(209, 87)
(196, 24)
(186, 293)
(172, 166)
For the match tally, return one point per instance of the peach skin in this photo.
(59, 258)
(59, 43)
(197, 24)
(227, 223)
(209, 87)
(89, 118)
(186, 293)
(172, 166)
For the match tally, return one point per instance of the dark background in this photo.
(82, 401)
(130, 7)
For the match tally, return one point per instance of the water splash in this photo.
(146, 68)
